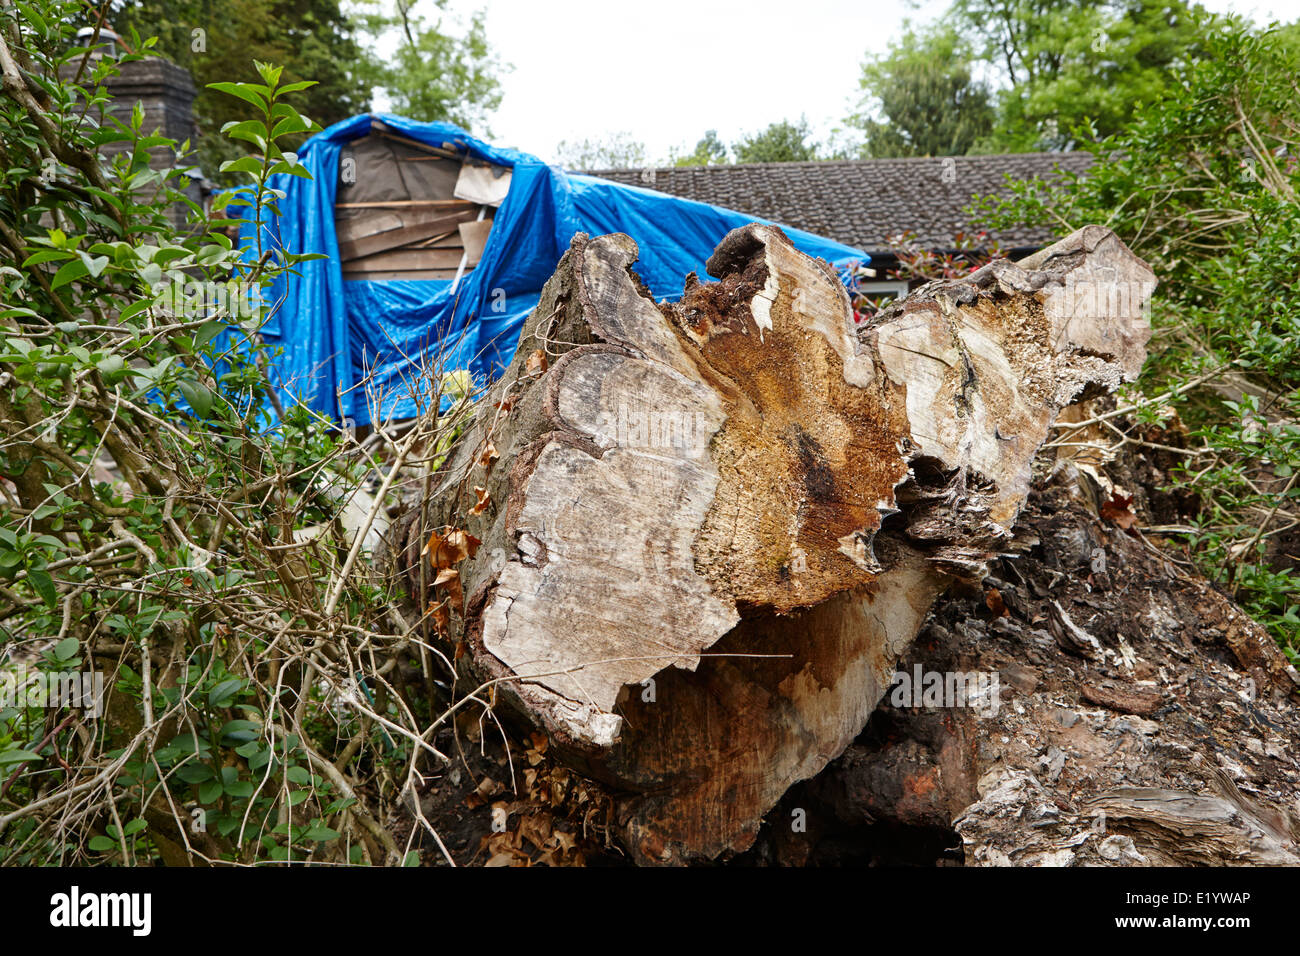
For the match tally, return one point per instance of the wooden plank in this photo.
(399, 259)
(448, 240)
(443, 152)
(349, 230)
(474, 236)
(405, 203)
(368, 224)
(446, 274)
(394, 238)
(483, 184)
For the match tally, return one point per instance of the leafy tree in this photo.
(1076, 69)
(434, 74)
(923, 88)
(782, 142)
(709, 151)
(220, 41)
(157, 521)
(615, 151)
(1203, 184)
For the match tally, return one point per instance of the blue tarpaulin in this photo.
(336, 333)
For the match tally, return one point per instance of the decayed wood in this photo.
(710, 528)
(1162, 736)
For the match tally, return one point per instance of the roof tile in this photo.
(863, 202)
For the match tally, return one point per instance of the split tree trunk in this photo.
(709, 529)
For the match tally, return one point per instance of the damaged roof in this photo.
(863, 202)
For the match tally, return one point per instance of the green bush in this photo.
(1203, 185)
(159, 525)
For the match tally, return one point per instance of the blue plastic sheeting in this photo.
(337, 333)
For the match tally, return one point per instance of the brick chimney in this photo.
(166, 93)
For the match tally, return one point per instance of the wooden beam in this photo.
(406, 274)
(405, 203)
(399, 259)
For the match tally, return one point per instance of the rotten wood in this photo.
(711, 528)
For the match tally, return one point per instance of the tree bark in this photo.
(709, 529)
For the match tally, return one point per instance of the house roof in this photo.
(863, 202)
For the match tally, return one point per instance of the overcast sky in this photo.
(667, 70)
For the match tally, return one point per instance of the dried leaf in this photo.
(455, 591)
(488, 455)
(483, 500)
(1118, 511)
(454, 548)
(536, 363)
(487, 786)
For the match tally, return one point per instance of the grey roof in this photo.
(863, 202)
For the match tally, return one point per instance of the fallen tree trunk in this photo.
(1140, 718)
(709, 529)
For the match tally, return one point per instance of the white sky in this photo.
(667, 70)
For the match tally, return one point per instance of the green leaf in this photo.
(46, 255)
(101, 844)
(44, 586)
(244, 91)
(224, 693)
(210, 791)
(111, 365)
(17, 756)
(195, 773)
(68, 272)
(198, 395)
(94, 265)
(207, 332)
(66, 648)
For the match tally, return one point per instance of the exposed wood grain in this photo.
(715, 525)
